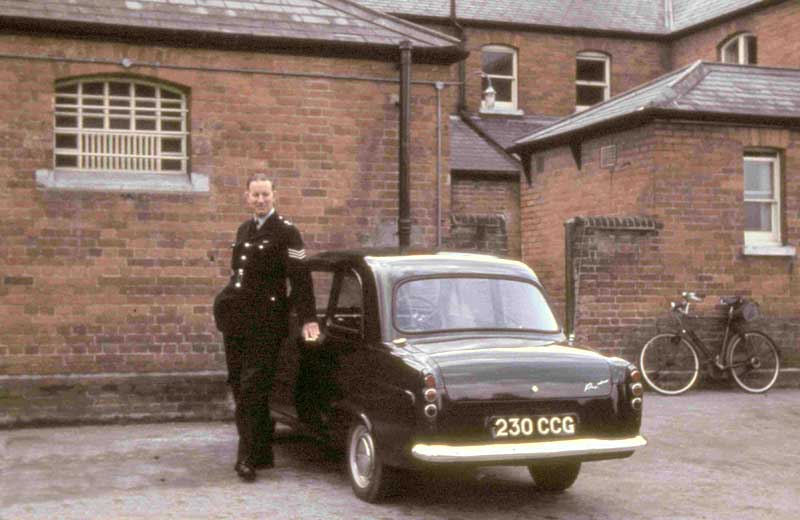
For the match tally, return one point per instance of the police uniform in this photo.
(252, 312)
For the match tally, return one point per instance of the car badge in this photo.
(534, 389)
(594, 386)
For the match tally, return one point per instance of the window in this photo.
(739, 49)
(762, 206)
(499, 68)
(471, 302)
(120, 126)
(592, 79)
(348, 311)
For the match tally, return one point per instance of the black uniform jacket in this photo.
(256, 300)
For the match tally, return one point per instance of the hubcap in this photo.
(362, 456)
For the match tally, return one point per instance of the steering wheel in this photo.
(417, 313)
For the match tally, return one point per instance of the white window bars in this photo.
(120, 125)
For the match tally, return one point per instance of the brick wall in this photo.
(478, 233)
(771, 27)
(102, 282)
(689, 179)
(546, 65)
(489, 195)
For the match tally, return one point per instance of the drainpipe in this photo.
(462, 65)
(570, 233)
(439, 87)
(404, 216)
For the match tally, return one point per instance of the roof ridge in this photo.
(669, 15)
(400, 21)
(687, 81)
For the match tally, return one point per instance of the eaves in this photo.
(446, 55)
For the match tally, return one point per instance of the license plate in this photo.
(514, 427)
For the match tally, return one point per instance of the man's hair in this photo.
(260, 177)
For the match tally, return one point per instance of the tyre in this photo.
(754, 362)
(369, 477)
(669, 364)
(554, 476)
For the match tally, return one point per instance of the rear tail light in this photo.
(430, 395)
(430, 381)
(635, 388)
(431, 411)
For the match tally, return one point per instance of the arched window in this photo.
(120, 125)
(592, 79)
(499, 69)
(740, 48)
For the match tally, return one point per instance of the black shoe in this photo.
(245, 471)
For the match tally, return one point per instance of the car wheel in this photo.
(554, 476)
(369, 477)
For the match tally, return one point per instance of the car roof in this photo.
(398, 264)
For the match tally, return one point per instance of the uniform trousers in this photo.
(251, 361)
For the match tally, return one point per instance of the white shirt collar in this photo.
(260, 221)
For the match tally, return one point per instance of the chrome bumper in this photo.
(522, 451)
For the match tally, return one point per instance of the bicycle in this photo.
(671, 362)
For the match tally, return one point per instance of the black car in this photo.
(451, 359)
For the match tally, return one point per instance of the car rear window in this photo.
(464, 303)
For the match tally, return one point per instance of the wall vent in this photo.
(608, 156)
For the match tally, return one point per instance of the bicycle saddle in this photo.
(692, 296)
(730, 300)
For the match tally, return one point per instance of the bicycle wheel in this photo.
(754, 363)
(669, 364)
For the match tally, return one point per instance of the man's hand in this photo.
(311, 331)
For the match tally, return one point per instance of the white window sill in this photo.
(769, 250)
(122, 182)
(502, 112)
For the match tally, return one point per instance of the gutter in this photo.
(640, 117)
(446, 55)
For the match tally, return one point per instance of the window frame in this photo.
(743, 51)
(773, 237)
(605, 84)
(122, 152)
(502, 106)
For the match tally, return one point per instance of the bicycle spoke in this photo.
(669, 365)
(754, 362)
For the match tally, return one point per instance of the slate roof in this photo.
(506, 130)
(650, 17)
(469, 152)
(702, 90)
(340, 22)
(478, 146)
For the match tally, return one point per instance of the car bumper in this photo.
(528, 451)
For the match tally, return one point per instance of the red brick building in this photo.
(129, 128)
(128, 131)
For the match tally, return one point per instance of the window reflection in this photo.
(459, 303)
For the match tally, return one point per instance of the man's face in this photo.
(260, 197)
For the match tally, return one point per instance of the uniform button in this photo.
(272, 298)
(247, 244)
(238, 285)
(244, 257)
(241, 271)
(261, 246)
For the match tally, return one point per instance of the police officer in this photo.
(252, 312)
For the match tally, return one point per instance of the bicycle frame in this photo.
(709, 355)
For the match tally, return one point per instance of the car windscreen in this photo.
(471, 302)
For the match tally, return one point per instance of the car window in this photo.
(323, 283)
(348, 309)
(458, 303)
